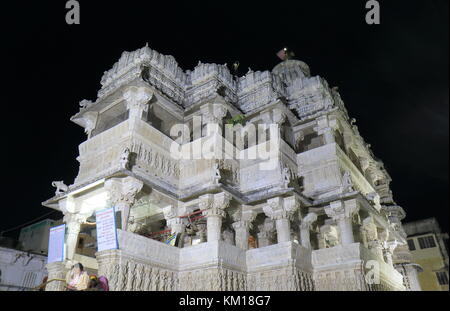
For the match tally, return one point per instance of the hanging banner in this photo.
(56, 243)
(106, 229)
(172, 239)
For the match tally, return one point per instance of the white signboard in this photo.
(106, 229)
(56, 243)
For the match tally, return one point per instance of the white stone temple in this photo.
(264, 177)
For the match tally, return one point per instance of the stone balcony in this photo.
(354, 259)
(211, 254)
(100, 154)
(278, 255)
(202, 257)
(322, 169)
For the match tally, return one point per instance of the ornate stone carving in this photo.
(122, 194)
(305, 227)
(125, 159)
(60, 187)
(286, 177)
(347, 183)
(137, 99)
(216, 175)
(242, 225)
(342, 213)
(280, 208)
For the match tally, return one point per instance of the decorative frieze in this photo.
(152, 160)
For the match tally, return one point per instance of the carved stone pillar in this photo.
(56, 270)
(388, 251)
(326, 128)
(172, 216)
(241, 226)
(266, 232)
(174, 222)
(305, 227)
(122, 194)
(280, 210)
(368, 231)
(137, 99)
(73, 223)
(212, 115)
(342, 213)
(202, 233)
(213, 208)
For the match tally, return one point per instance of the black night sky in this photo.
(392, 77)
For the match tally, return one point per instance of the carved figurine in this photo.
(228, 236)
(60, 187)
(216, 175)
(85, 103)
(125, 159)
(286, 176)
(347, 183)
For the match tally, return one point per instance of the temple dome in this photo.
(291, 69)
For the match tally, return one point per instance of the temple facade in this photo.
(264, 178)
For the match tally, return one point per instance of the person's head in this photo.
(93, 281)
(78, 268)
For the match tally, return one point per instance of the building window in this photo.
(442, 278)
(411, 245)
(427, 242)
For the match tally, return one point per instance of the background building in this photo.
(429, 248)
(22, 261)
(19, 270)
(34, 238)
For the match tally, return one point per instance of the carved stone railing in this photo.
(148, 250)
(278, 255)
(284, 266)
(352, 262)
(211, 254)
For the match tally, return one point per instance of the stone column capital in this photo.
(123, 190)
(74, 218)
(136, 99)
(280, 208)
(339, 210)
(213, 113)
(122, 194)
(135, 96)
(214, 205)
(246, 216)
(278, 116)
(268, 226)
(172, 215)
(240, 225)
(308, 220)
